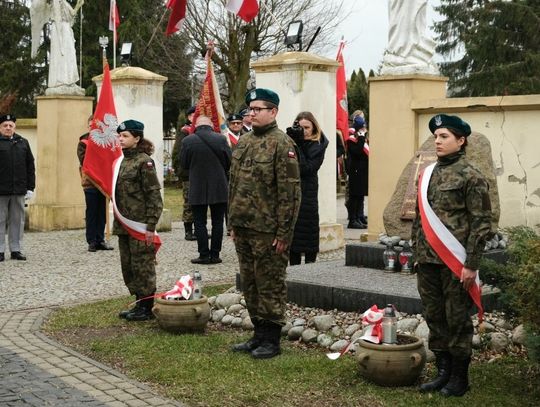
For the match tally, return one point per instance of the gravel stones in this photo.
(323, 323)
(227, 299)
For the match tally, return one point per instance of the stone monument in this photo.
(63, 74)
(409, 50)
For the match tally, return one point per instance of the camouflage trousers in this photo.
(447, 309)
(262, 273)
(187, 214)
(138, 265)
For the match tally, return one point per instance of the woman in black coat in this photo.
(311, 148)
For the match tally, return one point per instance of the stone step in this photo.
(333, 285)
(370, 254)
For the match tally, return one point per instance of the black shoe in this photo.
(363, 219)
(189, 236)
(266, 350)
(124, 313)
(215, 260)
(2, 258)
(443, 361)
(143, 313)
(17, 256)
(355, 225)
(92, 247)
(247, 346)
(201, 260)
(458, 384)
(104, 246)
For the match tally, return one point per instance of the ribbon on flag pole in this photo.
(178, 15)
(247, 10)
(445, 244)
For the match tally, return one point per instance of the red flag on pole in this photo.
(342, 113)
(178, 14)
(247, 10)
(103, 148)
(114, 19)
(209, 103)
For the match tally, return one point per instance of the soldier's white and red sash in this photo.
(355, 140)
(445, 244)
(137, 230)
(233, 138)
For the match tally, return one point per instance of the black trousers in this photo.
(296, 257)
(95, 215)
(217, 214)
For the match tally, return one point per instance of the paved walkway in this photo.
(38, 371)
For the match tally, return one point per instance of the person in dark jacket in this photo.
(312, 145)
(357, 169)
(183, 176)
(95, 216)
(207, 157)
(17, 181)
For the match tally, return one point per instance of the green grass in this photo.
(201, 370)
(174, 202)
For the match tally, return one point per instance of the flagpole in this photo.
(80, 49)
(273, 16)
(153, 35)
(114, 32)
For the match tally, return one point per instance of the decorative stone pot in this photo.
(392, 365)
(180, 316)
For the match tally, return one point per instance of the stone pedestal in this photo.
(59, 199)
(138, 95)
(393, 131)
(307, 82)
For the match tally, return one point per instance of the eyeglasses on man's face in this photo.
(257, 110)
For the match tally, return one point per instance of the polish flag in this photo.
(114, 19)
(178, 15)
(342, 113)
(247, 10)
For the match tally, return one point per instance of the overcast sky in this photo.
(366, 33)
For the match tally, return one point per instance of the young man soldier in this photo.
(264, 199)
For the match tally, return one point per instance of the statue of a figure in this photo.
(409, 50)
(63, 74)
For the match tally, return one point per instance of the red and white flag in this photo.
(342, 113)
(102, 147)
(445, 244)
(114, 19)
(209, 103)
(178, 15)
(247, 10)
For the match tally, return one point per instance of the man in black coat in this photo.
(357, 169)
(17, 181)
(207, 157)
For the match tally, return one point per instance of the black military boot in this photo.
(143, 313)
(122, 314)
(458, 384)
(250, 344)
(443, 361)
(188, 227)
(269, 346)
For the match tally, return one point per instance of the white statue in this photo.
(63, 73)
(409, 50)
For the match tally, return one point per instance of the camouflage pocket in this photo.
(451, 196)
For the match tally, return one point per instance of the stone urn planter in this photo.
(392, 365)
(181, 316)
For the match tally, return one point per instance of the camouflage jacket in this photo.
(137, 191)
(459, 194)
(264, 188)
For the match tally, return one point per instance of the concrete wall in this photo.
(512, 125)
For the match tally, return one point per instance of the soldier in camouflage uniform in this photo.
(183, 175)
(264, 199)
(138, 198)
(459, 195)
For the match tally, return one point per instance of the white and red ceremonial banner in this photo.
(114, 20)
(209, 103)
(247, 10)
(342, 113)
(233, 138)
(178, 15)
(447, 247)
(102, 147)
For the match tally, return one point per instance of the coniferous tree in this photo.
(497, 45)
(357, 93)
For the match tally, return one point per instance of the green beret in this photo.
(130, 125)
(262, 94)
(7, 118)
(452, 123)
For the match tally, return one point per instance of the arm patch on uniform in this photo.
(291, 154)
(149, 164)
